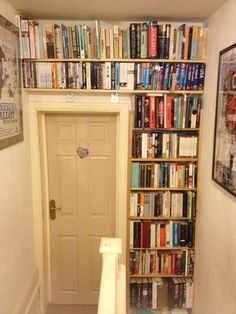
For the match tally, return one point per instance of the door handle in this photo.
(52, 209)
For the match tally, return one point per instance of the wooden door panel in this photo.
(66, 178)
(84, 188)
(69, 256)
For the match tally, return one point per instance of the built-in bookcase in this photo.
(162, 66)
(165, 141)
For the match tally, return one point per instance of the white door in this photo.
(82, 174)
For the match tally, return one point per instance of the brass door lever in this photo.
(52, 209)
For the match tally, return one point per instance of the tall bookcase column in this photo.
(163, 200)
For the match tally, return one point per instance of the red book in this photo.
(146, 234)
(168, 111)
(141, 235)
(162, 235)
(173, 264)
(152, 40)
(32, 39)
(152, 112)
(161, 112)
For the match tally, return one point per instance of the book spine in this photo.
(103, 43)
(120, 44)
(133, 40)
(167, 41)
(32, 39)
(152, 37)
(97, 32)
(116, 41)
(111, 44)
(138, 40)
(144, 41)
(161, 41)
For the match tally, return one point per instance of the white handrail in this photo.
(112, 295)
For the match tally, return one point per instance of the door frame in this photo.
(35, 113)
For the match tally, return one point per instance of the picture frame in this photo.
(224, 151)
(11, 122)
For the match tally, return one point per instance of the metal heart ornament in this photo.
(82, 152)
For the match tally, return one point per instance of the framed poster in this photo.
(224, 154)
(11, 126)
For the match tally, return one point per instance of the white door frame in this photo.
(36, 118)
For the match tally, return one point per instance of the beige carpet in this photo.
(72, 309)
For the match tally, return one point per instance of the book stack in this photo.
(163, 204)
(148, 234)
(162, 294)
(163, 175)
(163, 145)
(110, 75)
(137, 41)
(151, 262)
(168, 111)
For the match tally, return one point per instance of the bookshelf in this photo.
(162, 203)
(110, 58)
(162, 66)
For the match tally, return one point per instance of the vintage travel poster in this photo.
(224, 162)
(10, 95)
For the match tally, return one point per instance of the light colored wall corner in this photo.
(29, 302)
(215, 271)
(16, 217)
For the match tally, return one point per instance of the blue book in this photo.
(145, 77)
(201, 76)
(188, 83)
(117, 75)
(177, 71)
(196, 76)
(192, 77)
(186, 76)
(182, 76)
(135, 175)
(166, 76)
(175, 234)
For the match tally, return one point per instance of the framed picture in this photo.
(224, 154)
(11, 126)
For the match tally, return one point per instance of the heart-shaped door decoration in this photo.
(82, 152)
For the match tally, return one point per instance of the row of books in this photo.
(171, 76)
(163, 144)
(110, 75)
(149, 234)
(161, 294)
(163, 204)
(138, 40)
(161, 263)
(168, 111)
(163, 175)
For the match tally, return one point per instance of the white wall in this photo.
(17, 264)
(216, 236)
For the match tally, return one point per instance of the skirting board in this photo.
(30, 294)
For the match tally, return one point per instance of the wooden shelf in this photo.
(163, 189)
(165, 159)
(178, 248)
(109, 91)
(118, 60)
(159, 275)
(167, 129)
(159, 218)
